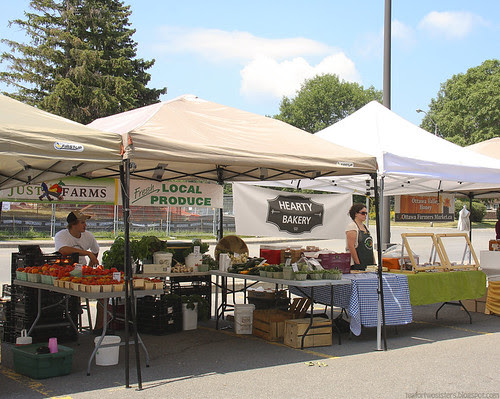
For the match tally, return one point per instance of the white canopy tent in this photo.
(36, 146)
(410, 159)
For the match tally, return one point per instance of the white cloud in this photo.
(272, 67)
(372, 44)
(450, 24)
(402, 34)
(219, 45)
(265, 76)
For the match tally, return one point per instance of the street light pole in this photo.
(432, 120)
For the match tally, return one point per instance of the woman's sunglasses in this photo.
(363, 213)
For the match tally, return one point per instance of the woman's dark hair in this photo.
(355, 208)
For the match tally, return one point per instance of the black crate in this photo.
(159, 315)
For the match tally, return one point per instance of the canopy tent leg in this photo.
(129, 291)
(381, 310)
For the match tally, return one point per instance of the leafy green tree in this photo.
(324, 100)
(467, 107)
(81, 61)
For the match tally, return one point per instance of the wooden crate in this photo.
(320, 333)
(269, 324)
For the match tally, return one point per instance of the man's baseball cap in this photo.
(77, 215)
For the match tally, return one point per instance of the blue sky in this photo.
(248, 54)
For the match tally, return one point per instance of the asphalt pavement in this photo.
(429, 358)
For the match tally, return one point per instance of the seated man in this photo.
(75, 239)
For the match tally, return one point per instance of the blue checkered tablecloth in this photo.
(360, 299)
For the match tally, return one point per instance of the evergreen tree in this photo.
(81, 62)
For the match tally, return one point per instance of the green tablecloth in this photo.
(426, 288)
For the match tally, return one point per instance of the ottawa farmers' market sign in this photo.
(428, 208)
(147, 193)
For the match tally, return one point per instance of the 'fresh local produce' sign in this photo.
(147, 193)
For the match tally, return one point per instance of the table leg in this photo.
(310, 320)
(39, 311)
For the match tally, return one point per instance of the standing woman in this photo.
(358, 239)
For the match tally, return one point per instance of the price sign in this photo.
(78, 266)
(117, 276)
(196, 250)
(295, 268)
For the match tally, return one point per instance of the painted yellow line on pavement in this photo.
(453, 328)
(25, 381)
(248, 336)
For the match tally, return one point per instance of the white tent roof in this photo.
(188, 137)
(36, 145)
(410, 159)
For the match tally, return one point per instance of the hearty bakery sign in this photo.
(264, 212)
(295, 213)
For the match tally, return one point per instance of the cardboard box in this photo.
(28, 362)
(320, 333)
(156, 268)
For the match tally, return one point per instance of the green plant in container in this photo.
(333, 274)
(316, 274)
(301, 275)
(203, 308)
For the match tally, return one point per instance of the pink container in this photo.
(341, 261)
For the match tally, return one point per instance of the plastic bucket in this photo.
(243, 318)
(162, 258)
(107, 356)
(189, 317)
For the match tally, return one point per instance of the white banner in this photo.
(150, 193)
(69, 189)
(264, 212)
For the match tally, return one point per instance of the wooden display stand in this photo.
(436, 249)
(468, 245)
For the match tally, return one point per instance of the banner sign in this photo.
(69, 190)
(424, 208)
(265, 212)
(173, 194)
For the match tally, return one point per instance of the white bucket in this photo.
(189, 317)
(162, 258)
(243, 318)
(107, 356)
(193, 261)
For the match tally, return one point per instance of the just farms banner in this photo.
(264, 212)
(424, 208)
(173, 194)
(69, 189)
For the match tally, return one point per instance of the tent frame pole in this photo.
(380, 290)
(130, 314)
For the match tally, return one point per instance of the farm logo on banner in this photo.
(147, 193)
(265, 212)
(70, 189)
(295, 213)
(425, 208)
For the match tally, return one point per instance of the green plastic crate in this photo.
(34, 365)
